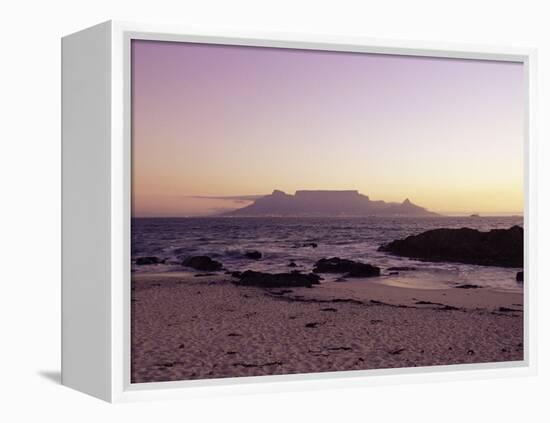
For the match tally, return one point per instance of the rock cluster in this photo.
(351, 269)
(277, 280)
(498, 247)
(142, 261)
(203, 263)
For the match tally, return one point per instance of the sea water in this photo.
(282, 240)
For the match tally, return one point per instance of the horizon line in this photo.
(441, 214)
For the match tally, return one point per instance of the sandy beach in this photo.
(202, 327)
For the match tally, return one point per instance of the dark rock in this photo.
(332, 309)
(310, 244)
(519, 276)
(427, 303)
(396, 351)
(141, 261)
(441, 306)
(254, 255)
(203, 263)
(448, 307)
(312, 325)
(401, 268)
(291, 264)
(236, 274)
(277, 280)
(346, 300)
(200, 275)
(468, 286)
(498, 247)
(506, 310)
(352, 269)
(393, 273)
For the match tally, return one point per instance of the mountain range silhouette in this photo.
(327, 203)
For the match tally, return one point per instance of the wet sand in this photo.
(186, 327)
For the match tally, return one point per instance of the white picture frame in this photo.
(96, 204)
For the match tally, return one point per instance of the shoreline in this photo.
(186, 327)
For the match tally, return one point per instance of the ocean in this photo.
(282, 240)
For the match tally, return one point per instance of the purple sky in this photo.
(212, 120)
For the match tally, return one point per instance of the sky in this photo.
(214, 121)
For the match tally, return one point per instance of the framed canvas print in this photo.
(246, 212)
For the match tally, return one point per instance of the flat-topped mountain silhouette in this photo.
(327, 203)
